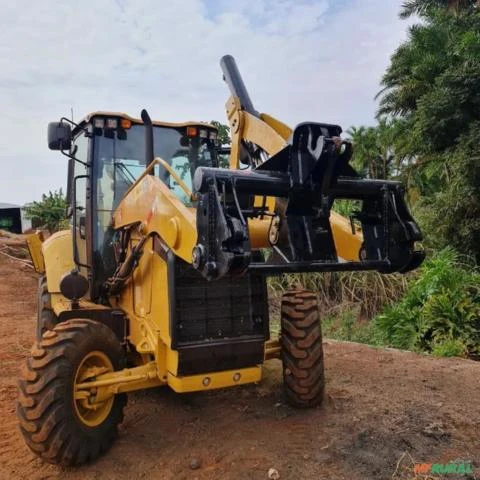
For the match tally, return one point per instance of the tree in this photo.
(374, 150)
(49, 212)
(413, 69)
(223, 140)
(433, 86)
(223, 133)
(451, 213)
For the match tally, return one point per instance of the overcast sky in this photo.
(317, 60)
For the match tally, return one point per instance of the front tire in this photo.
(56, 425)
(301, 349)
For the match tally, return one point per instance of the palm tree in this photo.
(373, 154)
(413, 69)
(423, 7)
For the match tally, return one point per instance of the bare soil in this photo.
(384, 409)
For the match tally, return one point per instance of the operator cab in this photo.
(106, 156)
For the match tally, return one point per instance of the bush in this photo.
(449, 348)
(440, 312)
(49, 212)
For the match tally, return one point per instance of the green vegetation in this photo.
(435, 309)
(431, 90)
(440, 312)
(427, 136)
(223, 133)
(49, 212)
(223, 140)
(375, 155)
(348, 328)
(366, 293)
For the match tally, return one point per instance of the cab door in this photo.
(79, 201)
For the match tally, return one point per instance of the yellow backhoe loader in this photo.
(161, 279)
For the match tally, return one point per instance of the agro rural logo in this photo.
(464, 468)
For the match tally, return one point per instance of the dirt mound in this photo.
(384, 410)
(14, 246)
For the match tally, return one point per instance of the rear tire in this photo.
(56, 426)
(301, 349)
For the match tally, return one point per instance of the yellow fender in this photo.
(57, 253)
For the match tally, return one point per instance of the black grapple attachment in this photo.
(305, 178)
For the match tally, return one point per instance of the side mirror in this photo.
(59, 136)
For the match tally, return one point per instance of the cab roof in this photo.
(139, 121)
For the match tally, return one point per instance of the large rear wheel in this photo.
(59, 425)
(302, 350)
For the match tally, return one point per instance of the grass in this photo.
(369, 292)
(347, 327)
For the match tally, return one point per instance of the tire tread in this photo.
(302, 350)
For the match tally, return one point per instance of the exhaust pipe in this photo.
(234, 80)
(147, 121)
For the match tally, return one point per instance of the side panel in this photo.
(142, 283)
(58, 258)
(145, 300)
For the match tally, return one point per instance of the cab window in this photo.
(181, 165)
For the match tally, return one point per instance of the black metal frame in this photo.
(306, 177)
(76, 128)
(89, 203)
(226, 201)
(74, 222)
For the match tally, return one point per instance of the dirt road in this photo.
(383, 410)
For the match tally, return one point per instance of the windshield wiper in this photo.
(126, 173)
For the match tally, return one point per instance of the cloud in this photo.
(301, 60)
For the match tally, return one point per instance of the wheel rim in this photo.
(89, 411)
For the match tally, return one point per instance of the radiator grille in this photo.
(228, 308)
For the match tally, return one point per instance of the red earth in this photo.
(384, 410)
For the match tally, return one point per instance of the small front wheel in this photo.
(301, 349)
(59, 422)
